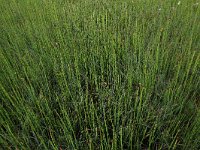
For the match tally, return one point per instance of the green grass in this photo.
(97, 74)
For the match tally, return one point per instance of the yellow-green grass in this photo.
(97, 74)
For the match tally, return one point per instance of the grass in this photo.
(100, 74)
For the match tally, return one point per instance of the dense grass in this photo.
(88, 74)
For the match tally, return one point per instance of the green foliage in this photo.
(99, 74)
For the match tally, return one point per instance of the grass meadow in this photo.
(99, 74)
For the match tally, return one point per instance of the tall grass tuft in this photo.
(99, 74)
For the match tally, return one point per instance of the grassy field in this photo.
(100, 74)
